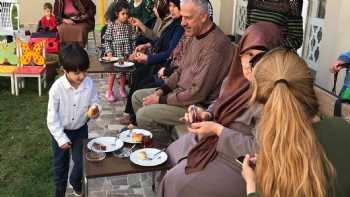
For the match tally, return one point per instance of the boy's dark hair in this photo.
(48, 5)
(74, 58)
(115, 8)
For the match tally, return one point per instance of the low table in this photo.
(109, 68)
(114, 166)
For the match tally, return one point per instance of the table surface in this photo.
(103, 67)
(113, 166)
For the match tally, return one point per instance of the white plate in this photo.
(109, 142)
(159, 159)
(112, 59)
(125, 136)
(126, 64)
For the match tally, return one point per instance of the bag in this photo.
(51, 40)
(344, 96)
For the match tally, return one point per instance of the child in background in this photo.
(335, 67)
(47, 23)
(73, 100)
(119, 39)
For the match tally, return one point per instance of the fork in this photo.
(154, 155)
(116, 138)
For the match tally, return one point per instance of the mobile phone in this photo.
(240, 160)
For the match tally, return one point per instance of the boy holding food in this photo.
(73, 100)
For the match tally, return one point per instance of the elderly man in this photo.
(198, 78)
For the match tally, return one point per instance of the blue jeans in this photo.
(61, 160)
(346, 81)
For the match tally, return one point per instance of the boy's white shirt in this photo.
(67, 106)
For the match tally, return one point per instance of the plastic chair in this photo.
(8, 55)
(9, 26)
(32, 64)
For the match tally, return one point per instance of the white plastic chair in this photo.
(7, 25)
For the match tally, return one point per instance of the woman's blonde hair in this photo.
(291, 162)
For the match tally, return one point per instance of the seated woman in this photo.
(160, 50)
(204, 158)
(75, 20)
(298, 152)
(152, 30)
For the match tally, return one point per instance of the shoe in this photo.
(125, 120)
(110, 96)
(75, 193)
(122, 92)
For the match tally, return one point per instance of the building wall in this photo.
(335, 41)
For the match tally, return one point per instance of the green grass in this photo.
(25, 144)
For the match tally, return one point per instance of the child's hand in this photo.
(65, 146)
(335, 67)
(93, 112)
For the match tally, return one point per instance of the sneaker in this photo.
(110, 97)
(75, 193)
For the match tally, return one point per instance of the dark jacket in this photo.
(166, 43)
(89, 6)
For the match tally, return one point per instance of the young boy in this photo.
(47, 23)
(71, 97)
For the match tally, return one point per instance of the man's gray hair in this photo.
(201, 4)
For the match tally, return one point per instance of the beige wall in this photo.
(226, 15)
(335, 41)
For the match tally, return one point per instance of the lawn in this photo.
(25, 144)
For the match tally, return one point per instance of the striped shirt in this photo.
(284, 13)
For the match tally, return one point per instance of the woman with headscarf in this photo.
(204, 158)
(75, 19)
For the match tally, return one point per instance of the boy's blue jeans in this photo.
(61, 160)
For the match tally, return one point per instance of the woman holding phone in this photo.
(299, 154)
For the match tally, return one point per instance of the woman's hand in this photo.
(67, 21)
(206, 128)
(248, 175)
(203, 115)
(135, 22)
(335, 67)
(140, 57)
(142, 47)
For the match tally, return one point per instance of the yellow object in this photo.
(33, 54)
(102, 19)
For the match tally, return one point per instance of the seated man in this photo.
(198, 78)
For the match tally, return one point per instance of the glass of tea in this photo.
(146, 141)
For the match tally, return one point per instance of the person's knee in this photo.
(136, 99)
(143, 116)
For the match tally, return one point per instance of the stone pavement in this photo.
(134, 185)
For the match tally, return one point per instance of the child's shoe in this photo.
(110, 96)
(122, 92)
